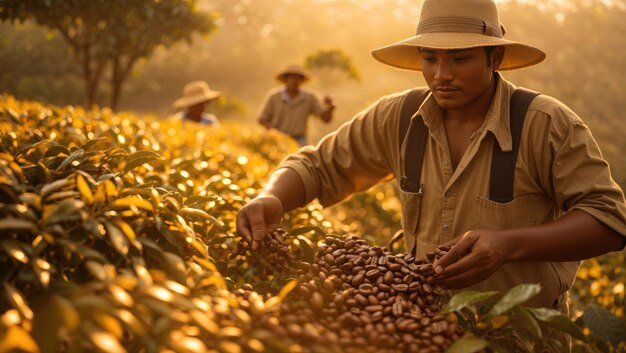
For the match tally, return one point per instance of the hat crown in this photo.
(196, 87)
(483, 10)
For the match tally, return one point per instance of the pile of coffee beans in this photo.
(272, 254)
(368, 299)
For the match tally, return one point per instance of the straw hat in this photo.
(458, 24)
(292, 70)
(193, 93)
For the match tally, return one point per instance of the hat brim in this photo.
(185, 102)
(281, 75)
(405, 54)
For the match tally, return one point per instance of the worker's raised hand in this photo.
(473, 257)
(258, 217)
(328, 101)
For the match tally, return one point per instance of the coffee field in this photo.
(118, 235)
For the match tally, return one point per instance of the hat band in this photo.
(459, 24)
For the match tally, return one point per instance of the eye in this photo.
(460, 59)
(428, 59)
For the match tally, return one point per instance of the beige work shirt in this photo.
(290, 115)
(559, 168)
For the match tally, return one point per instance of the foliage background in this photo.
(583, 39)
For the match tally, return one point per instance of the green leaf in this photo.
(14, 249)
(91, 143)
(56, 312)
(16, 299)
(66, 210)
(287, 288)
(604, 326)
(133, 201)
(54, 151)
(71, 158)
(517, 295)
(53, 186)
(117, 237)
(17, 224)
(27, 149)
(529, 322)
(175, 267)
(557, 320)
(307, 249)
(466, 298)
(467, 345)
(140, 158)
(16, 339)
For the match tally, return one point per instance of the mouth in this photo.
(446, 89)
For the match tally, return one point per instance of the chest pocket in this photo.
(520, 212)
(410, 211)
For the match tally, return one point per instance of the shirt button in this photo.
(447, 194)
(444, 227)
(445, 162)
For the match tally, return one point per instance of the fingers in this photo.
(251, 225)
(243, 226)
(256, 217)
(464, 279)
(456, 252)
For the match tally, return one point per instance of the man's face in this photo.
(293, 81)
(457, 78)
(197, 109)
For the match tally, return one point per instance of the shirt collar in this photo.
(497, 120)
(287, 98)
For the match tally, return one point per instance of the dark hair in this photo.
(488, 51)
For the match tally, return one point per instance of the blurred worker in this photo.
(287, 108)
(196, 97)
(523, 193)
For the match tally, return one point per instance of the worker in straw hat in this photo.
(288, 108)
(196, 96)
(513, 181)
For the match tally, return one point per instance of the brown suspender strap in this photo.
(503, 163)
(416, 140)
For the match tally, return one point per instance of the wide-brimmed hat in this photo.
(292, 70)
(458, 24)
(195, 92)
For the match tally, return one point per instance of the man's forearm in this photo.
(286, 185)
(576, 236)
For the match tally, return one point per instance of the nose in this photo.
(443, 73)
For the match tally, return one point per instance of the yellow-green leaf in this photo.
(106, 342)
(17, 339)
(17, 224)
(84, 189)
(133, 201)
(287, 288)
(17, 299)
(118, 239)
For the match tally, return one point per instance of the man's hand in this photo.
(329, 103)
(258, 217)
(474, 256)
(265, 123)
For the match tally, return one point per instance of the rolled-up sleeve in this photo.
(582, 179)
(267, 108)
(355, 157)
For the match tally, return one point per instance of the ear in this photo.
(497, 55)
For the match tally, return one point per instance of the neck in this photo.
(194, 116)
(293, 91)
(476, 111)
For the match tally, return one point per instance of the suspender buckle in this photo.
(407, 186)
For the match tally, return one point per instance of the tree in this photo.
(103, 33)
(333, 59)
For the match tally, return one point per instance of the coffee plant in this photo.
(117, 234)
